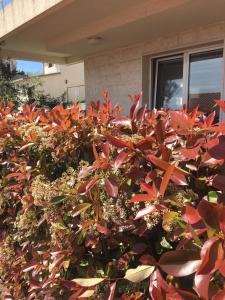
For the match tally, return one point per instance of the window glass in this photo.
(205, 80)
(169, 81)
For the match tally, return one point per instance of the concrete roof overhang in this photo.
(59, 31)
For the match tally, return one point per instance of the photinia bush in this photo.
(98, 205)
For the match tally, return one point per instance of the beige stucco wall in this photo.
(120, 71)
(69, 76)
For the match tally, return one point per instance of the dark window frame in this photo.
(186, 54)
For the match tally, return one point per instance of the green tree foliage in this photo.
(8, 90)
(26, 90)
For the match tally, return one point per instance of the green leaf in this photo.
(66, 264)
(165, 244)
(213, 197)
(80, 208)
(84, 263)
(59, 226)
(129, 182)
(58, 199)
(139, 274)
(87, 282)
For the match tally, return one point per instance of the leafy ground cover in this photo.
(98, 205)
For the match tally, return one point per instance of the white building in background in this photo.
(68, 80)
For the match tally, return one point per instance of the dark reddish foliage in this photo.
(93, 200)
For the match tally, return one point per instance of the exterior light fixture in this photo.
(94, 40)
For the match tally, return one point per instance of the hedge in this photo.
(99, 205)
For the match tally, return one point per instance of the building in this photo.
(67, 80)
(172, 50)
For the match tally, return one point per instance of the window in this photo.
(50, 65)
(169, 90)
(191, 78)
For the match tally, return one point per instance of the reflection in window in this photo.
(205, 80)
(169, 91)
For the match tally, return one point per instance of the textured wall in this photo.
(120, 71)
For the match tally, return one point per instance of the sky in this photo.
(4, 3)
(30, 67)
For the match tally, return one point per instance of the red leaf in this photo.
(65, 124)
(190, 153)
(212, 255)
(77, 294)
(141, 114)
(221, 217)
(218, 128)
(103, 229)
(222, 268)
(112, 291)
(158, 286)
(150, 189)
(164, 165)
(111, 187)
(219, 182)
(122, 121)
(121, 158)
(147, 259)
(210, 119)
(152, 194)
(179, 179)
(88, 185)
(160, 131)
(191, 215)
(183, 295)
(140, 198)
(166, 179)
(143, 145)
(149, 210)
(105, 149)
(95, 151)
(208, 212)
(180, 263)
(202, 285)
(138, 248)
(135, 99)
(14, 175)
(179, 119)
(216, 147)
(221, 104)
(220, 295)
(86, 171)
(30, 267)
(166, 153)
(26, 146)
(119, 143)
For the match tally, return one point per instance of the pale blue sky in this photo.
(3, 3)
(29, 66)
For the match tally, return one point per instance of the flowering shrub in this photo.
(105, 206)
